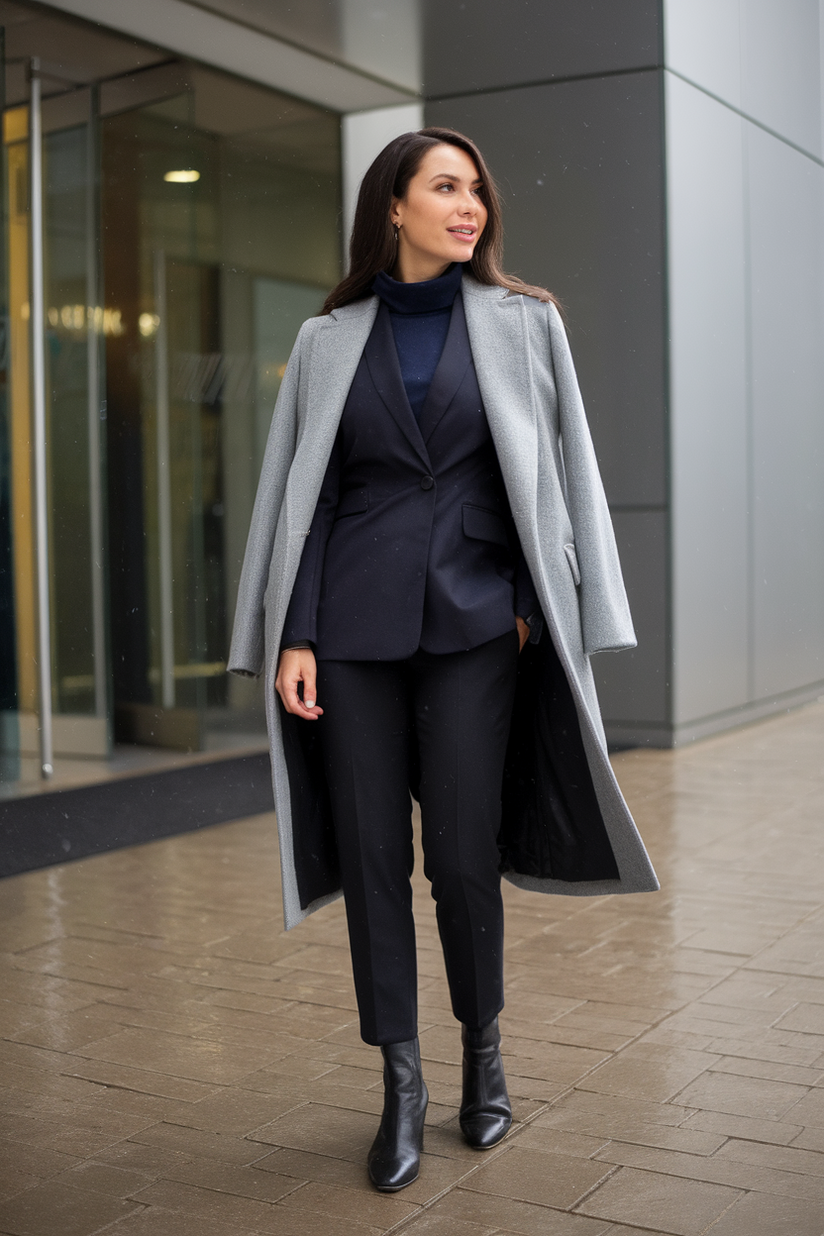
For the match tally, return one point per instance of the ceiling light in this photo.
(183, 177)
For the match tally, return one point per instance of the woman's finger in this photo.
(309, 680)
(297, 665)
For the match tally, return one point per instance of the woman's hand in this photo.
(523, 632)
(298, 665)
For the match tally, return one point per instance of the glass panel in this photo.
(72, 320)
(220, 236)
(19, 656)
(9, 737)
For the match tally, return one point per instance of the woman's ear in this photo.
(395, 213)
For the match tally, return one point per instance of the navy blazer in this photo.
(412, 544)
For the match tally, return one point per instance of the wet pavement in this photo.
(173, 1064)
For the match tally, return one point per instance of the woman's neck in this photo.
(409, 269)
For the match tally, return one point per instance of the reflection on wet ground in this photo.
(174, 1065)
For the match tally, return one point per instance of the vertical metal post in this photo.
(38, 325)
(93, 327)
(164, 488)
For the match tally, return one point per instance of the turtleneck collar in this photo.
(430, 296)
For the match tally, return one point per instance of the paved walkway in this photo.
(174, 1065)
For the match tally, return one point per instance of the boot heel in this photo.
(395, 1157)
(486, 1114)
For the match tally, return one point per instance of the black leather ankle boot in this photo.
(395, 1158)
(485, 1114)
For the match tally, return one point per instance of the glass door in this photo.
(73, 329)
(219, 238)
(190, 225)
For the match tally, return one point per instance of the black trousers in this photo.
(448, 717)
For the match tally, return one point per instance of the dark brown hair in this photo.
(373, 246)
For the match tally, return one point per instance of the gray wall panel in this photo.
(787, 255)
(821, 64)
(781, 77)
(712, 62)
(489, 43)
(581, 173)
(708, 405)
(633, 686)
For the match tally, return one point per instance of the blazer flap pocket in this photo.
(572, 559)
(484, 525)
(353, 502)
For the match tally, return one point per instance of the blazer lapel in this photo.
(385, 372)
(500, 349)
(450, 371)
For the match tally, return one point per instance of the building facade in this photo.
(661, 165)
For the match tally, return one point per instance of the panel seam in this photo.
(759, 124)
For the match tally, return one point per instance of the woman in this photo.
(430, 565)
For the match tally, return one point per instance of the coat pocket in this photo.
(572, 559)
(353, 502)
(484, 525)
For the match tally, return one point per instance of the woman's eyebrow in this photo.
(449, 176)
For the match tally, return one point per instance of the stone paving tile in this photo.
(75, 1212)
(196, 1142)
(538, 1176)
(810, 1139)
(237, 1111)
(605, 1127)
(232, 1209)
(158, 1222)
(429, 1224)
(622, 1107)
(788, 1159)
(716, 1169)
(142, 1080)
(506, 1214)
(773, 1132)
(756, 1213)
(649, 1072)
(39, 1162)
(320, 1129)
(664, 1203)
(198, 1059)
(743, 1096)
(150, 1161)
(13, 1182)
(240, 1181)
(104, 1178)
(743, 1067)
(382, 1210)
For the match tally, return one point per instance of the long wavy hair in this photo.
(373, 246)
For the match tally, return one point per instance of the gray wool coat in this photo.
(536, 417)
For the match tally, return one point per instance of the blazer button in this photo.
(427, 482)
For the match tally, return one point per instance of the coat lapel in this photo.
(335, 357)
(385, 371)
(331, 366)
(449, 374)
(500, 349)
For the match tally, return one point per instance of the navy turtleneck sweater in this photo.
(420, 314)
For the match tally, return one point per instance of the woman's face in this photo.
(442, 216)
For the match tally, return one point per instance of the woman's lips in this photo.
(463, 233)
